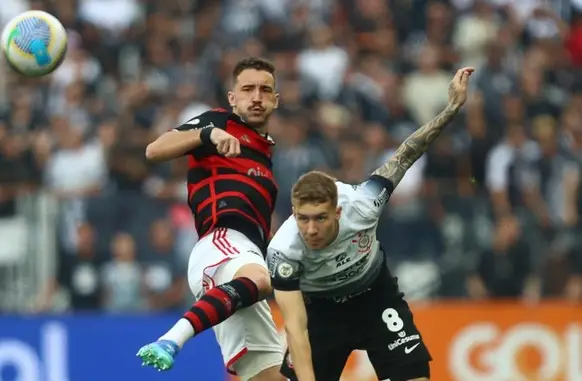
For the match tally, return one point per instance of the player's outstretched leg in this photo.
(214, 307)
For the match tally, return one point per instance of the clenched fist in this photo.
(458, 87)
(225, 143)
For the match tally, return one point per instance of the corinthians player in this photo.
(330, 276)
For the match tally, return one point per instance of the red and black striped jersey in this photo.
(237, 193)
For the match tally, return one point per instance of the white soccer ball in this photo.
(34, 43)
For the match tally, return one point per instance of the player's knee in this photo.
(258, 274)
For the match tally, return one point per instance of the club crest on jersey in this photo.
(364, 244)
(285, 270)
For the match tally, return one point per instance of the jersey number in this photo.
(392, 319)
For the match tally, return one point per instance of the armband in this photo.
(205, 135)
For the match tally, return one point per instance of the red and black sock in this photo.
(221, 302)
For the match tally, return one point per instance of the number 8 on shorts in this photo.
(392, 319)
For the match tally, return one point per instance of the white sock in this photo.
(181, 332)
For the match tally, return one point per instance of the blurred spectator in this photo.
(164, 280)
(123, 289)
(429, 81)
(78, 275)
(474, 32)
(505, 270)
(324, 62)
(505, 167)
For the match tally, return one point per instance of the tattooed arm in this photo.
(414, 146)
(417, 143)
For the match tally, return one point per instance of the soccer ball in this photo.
(34, 43)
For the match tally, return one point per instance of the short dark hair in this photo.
(314, 187)
(255, 63)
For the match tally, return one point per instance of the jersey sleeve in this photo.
(285, 272)
(369, 197)
(212, 118)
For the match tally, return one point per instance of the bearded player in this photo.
(332, 284)
(232, 193)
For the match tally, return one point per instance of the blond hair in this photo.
(314, 187)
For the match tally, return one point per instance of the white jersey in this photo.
(350, 263)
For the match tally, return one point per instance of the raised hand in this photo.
(416, 144)
(458, 87)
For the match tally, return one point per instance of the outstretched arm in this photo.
(417, 143)
(292, 308)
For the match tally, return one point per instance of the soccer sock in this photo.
(221, 302)
(181, 332)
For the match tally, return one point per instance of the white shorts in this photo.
(251, 331)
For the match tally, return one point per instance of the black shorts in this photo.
(378, 321)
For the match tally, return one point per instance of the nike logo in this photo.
(408, 350)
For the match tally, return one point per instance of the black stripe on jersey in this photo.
(251, 227)
(230, 194)
(262, 205)
(269, 186)
(259, 157)
(197, 175)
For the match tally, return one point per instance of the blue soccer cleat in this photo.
(160, 354)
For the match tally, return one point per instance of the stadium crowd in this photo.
(492, 211)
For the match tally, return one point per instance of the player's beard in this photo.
(257, 120)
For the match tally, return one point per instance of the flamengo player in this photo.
(330, 276)
(232, 194)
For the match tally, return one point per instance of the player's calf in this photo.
(249, 284)
(221, 302)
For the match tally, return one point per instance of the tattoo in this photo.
(414, 146)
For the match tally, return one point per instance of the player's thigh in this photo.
(330, 338)
(393, 342)
(249, 264)
(249, 341)
(217, 257)
(326, 366)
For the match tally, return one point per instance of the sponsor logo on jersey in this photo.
(403, 339)
(196, 121)
(341, 260)
(284, 270)
(382, 199)
(256, 172)
(352, 271)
